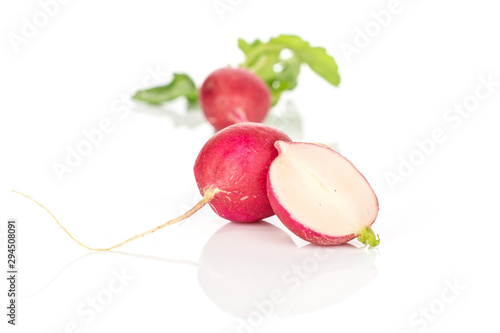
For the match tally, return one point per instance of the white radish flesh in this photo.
(320, 196)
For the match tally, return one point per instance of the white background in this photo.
(439, 227)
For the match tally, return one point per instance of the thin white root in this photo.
(209, 195)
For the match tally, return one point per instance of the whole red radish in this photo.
(320, 196)
(235, 162)
(234, 95)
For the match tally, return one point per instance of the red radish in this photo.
(234, 95)
(320, 196)
(235, 162)
(231, 173)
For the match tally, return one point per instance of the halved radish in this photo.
(320, 196)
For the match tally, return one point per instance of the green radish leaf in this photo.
(245, 47)
(267, 62)
(316, 57)
(286, 79)
(180, 86)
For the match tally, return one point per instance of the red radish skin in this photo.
(235, 161)
(345, 184)
(234, 95)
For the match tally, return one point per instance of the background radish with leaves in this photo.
(232, 95)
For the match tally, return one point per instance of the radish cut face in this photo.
(320, 196)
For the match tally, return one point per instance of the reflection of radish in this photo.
(234, 95)
(320, 196)
(255, 270)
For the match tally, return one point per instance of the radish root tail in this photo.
(208, 196)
